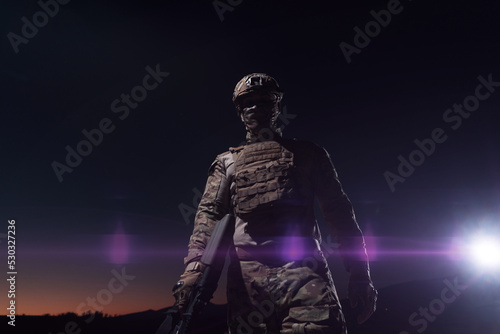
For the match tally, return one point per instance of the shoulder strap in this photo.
(234, 151)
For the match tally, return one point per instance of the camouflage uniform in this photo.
(272, 282)
(278, 278)
(288, 298)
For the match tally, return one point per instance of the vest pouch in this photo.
(264, 180)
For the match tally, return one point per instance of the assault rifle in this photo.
(213, 258)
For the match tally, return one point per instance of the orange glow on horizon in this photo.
(60, 301)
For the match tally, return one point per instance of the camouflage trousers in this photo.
(296, 297)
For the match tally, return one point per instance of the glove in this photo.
(186, 283)
(361, 292)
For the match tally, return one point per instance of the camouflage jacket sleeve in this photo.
(338, 212)
(214, 205)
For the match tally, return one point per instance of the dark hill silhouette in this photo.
(147, 322)
(452, 308)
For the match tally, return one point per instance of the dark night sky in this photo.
(119, 208)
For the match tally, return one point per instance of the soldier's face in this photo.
(257, 110)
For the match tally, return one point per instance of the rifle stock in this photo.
(213, 258)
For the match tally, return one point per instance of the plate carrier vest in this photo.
(264, 179)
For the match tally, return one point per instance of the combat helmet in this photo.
(256, 82)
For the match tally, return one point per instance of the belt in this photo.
(278, 252)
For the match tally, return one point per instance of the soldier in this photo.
(278, 279)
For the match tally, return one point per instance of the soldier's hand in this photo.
(186, 283)
(362, 296)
